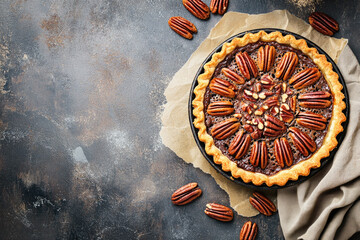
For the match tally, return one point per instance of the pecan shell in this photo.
(220, 108)
(311, 120)
(197, 8)
(182, 26)
(302, 141)
(283, 153)
(286, 66)
(266, 57)
(219, 212)
(240, 145)
(305, 78)
(273, 126)
(248, 231)
(318, 99)
(259, 154)
(246, 65)
(186, 194)
(232, 75)
(323, 23)
(225, 128)
(222, 87)
(219, 6)
(262, 204)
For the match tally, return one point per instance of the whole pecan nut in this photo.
(182, 26)
(219, 212)
(266, 57)
(302, 141)
(273, 126)
(222, 87)
(259, 154)
(319, 99)
(232, 75)
(286, 66)
(311, 120)
(240, 145)
(219, 6)
(220, 108)
(186, 194)
(248, 231)
(225, 128)
(198, 8)
(283, 153)
(323, 23)
(246, 65)
(262, 204)
(305, 78)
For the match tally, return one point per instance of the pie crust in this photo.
(301, 168)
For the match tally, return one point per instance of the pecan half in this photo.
(259, 154)
(292, 103)
(248, 231)
(232, 75)
(219, 212)
(220, 108)
(225, 128)
(305, 78)
(323, 23)
(267, 82)
(285, 114)
(311, 120)
(256, 134)
(246, 65)
(219, 6)
(186, 194)
(182, 26)
(287, 65)
(302, 141)
(262, 204)
(272, 101)
(318, 99)
(266, 57)
(198, 8)
(240, 145)
(222, 87)
(283, 153)
(273, 126)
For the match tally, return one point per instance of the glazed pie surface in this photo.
(268, 108)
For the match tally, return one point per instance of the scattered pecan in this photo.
(198, 8)
(232, 75)
(225, 128)
(305, 78)
(283, 153)
(257, 87)
(222, 87)
(256, 134)
(318, 99)
(273, 126)
(248, 231)
(219, 6)
(292, 103)
(259, 154)
(286, 66)
(246, 65)
(267, 82)
(220, 108)
(186, 194)
(219, 212)
(182, 26)
(240, 145)
(248, 128)
(285, 114)
(323, 23)
(272, 101)
(262, 204)
(311, 120)
(266, 57)
(302, 141)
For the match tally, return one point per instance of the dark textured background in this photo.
(80, 102)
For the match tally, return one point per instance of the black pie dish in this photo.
(290, 183)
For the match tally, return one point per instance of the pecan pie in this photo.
(268, 108)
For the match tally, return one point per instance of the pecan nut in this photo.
(305, 78)
(222, 87)
(262, 204)
(246, 65)
(285, 114)
(232, 75)
(219, 6)
(292, 103)
(266, 57)
(283, 153)
(197, 8)
(225, 128)
(248, 231)
(259, 154)
(302, 141)
(219, 212)
(273, 126)
(323, 23)
(220, 108)
(267, 82)
(182, 26)
(186, 194)
(287, 66)
(256, 134)
(240, 145)
(311, 120)
(318, 99)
